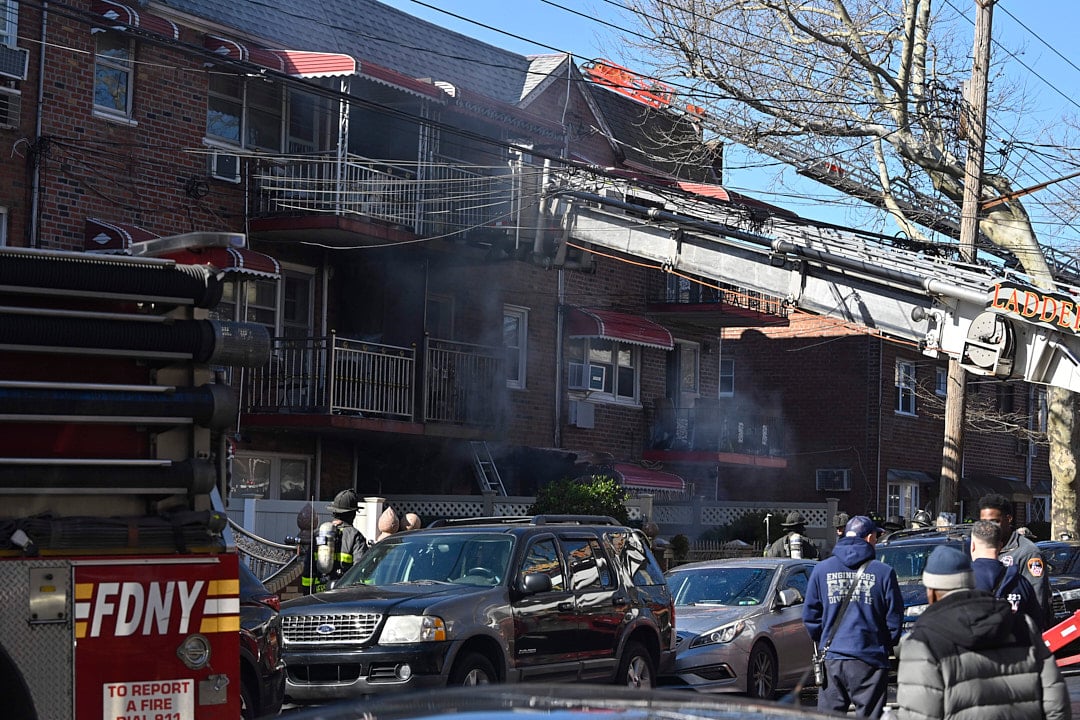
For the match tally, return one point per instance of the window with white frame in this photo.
(905, 387)
(833, 479)
(9, 22)
(263, 114)
(515, 340)
(270, 476)
(1042, 409)
(727, 378)
(113, 73)
(941, 381)
(283, 306)
(608, 369)
(902, 500)
(689, 367)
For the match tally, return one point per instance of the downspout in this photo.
(35, 193)
(559, 357)
(1030, 442)
(881, 374)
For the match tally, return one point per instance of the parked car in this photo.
(907, 551)
(1062, 558)
(553, 598)
(739, 625)
(262, 672)
(555, 702)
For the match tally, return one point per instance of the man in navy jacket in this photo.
(857, 660)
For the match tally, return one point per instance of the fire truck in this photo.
(118, 583)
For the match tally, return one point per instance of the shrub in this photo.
(595, 495)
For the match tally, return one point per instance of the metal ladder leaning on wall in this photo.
(484, 468)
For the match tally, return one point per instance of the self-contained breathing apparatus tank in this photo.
(327, 542)
(795, 545)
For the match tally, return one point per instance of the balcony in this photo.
(457, 383)
(674, 299)
(711, 433)
(438, 198)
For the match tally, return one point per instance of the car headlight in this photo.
(412, 629)
(912, 611)
(722, 634)
(1070, 594)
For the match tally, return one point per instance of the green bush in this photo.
(596, 495)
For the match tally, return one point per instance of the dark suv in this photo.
(506, 599)
(907, 551)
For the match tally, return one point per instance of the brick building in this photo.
(388, 176)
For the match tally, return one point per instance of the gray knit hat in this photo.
(948, 569)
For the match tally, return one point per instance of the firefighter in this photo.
(338, 544)
(307, 520)
(794, 543)
(921, 519)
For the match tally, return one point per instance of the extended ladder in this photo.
(484, 467)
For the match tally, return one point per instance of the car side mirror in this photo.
(789, 597)
(534, 583)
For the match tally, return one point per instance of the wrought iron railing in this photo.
(713, 428)
(433, 198)
(276, 564)
(335, 375)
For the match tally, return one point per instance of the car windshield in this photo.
(908, 561)
(1062, 560)
(720, 586)
(471, 559)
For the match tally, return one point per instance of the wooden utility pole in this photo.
(955, 398)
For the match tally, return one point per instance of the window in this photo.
(834, 479)
(269, 476)
(262, 115)
(727, 377)
(941, 381)
(1041, 410)
(249, 299)
(515, 337)
(113, 73)
(543, 557)
(905, 387)
(903, 499)
(689, 367)
(588, 566)
(439, 323)
(9, 22)
(1040, 509)
(607, 368)
(1004, 397)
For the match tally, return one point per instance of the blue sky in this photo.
(1040, 32)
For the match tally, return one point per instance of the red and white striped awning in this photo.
(229, 259)
(126, 16)
(633, 329)
(298, 63)
(106, 236)
(641, 478)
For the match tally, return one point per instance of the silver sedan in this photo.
(739, 625)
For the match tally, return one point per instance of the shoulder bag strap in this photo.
(843, 607)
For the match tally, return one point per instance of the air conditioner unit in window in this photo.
(224, 166)
(10, 107)
(833, 480)
(13, 62)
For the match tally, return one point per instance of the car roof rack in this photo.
(529, 520)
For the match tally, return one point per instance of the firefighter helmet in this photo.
(344, 502)
(921, 519)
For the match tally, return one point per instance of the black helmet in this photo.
(921, 519)
(895, 522)
(794, 519)
(344, 502)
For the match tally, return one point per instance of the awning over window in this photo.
(130, 16)
(975, 486)
(298, 63)
(394, 79)
(640, 478)
(104, 236)
(910, 476)
(633, 329)
(230, 259)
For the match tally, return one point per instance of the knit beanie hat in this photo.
(948, 569)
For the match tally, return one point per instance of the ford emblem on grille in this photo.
(325, 629)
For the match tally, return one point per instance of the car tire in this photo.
(762, 672)
(473, 669)
(247, 703)
(636, 669)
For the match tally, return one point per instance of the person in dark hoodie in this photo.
(997, 579)
(857, 657)
(969, 656)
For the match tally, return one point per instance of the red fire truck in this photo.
(119, 590)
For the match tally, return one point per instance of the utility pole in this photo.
(955, 397)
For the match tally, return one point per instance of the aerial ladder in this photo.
(991, 318)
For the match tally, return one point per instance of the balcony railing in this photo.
(709, 428)
(334, 375)
(431, 198)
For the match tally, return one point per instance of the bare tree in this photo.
(869, 87)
